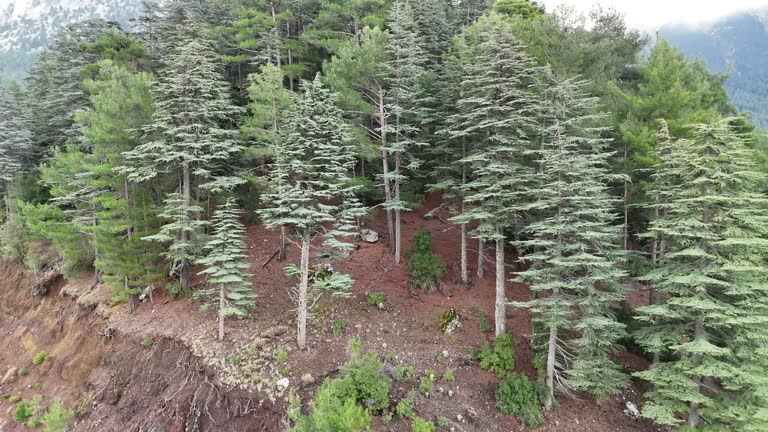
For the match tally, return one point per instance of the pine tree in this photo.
(404, 99)
(433, 29)
(574, 261)
(15, 142)
(711, 319)
(313, 169)
(188, 136)
(498, 111)
(225, 265)
(269, 102)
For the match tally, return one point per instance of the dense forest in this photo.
(561, 152)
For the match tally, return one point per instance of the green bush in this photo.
(375, 299)
(426, 270)
(386, 419)
(426, 384)
(370, 382)
(339, 326)
(443, 422)
(406, 405)
(13, 240)
(40, 358)
(14, 399)
(405, 372)
(148, 341)
(235, 360)
(57, 417)
(23, 372)
(422, 241)
(334, 410)
(482, 320)
(501, 359)
(420, 425)
(519, 396)
(449, 376)
(26, 412)
(281, 356)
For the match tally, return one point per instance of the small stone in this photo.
(450, 393)
(369, 236)
(459, 418)
(307, 379)
(471, 414)
(283, 384)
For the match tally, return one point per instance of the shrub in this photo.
(334, 410)
(443, 422)
(23, 372)
(501, 359)
(449, 376)
(57, 417)
(40, 358)
(235, 359)
(426, 384)
(26, 412)
(386, 419)
(420, 425)
(370, 382)
(375, 299)
(482, 320)
(339, 326)
(13, 240)
(281, 356)
(14, 399)
(406, 405)
(424, 267)
(519, 396)
(148, 341)
(405, 372)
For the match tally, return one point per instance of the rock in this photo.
(632, 410)
(307, 379)
(369, 236)
(471, 414)
(283, 384)
(450, 393)
(459, 418)
(9, 376)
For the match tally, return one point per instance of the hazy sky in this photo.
(651, 14)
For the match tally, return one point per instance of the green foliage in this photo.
(23, 372)
(281, 355)
(235, 360)
(499, 359)
(448, 323)
(334, 410)
(14, 399)
(26, 412)
(405, 373)
(40, 358)
(370, 383)
(405, 407)
(148, 341)
(482, 321)
(424, 267)
(56, 418)
(375, 299)
(386, 419)
(519, 396)
(339, 326)
(443, 423)
(449, 376)
(418, 424)
(427, 382)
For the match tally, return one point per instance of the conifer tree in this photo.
(313, 169)
(404, 103)
(225, 265)
(15, 141)
(711, 321)
(572, 247)
(270, 100)
(498, 111)
(188, 136)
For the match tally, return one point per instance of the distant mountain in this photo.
(28, 25)
(738, 45)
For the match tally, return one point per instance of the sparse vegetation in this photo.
(281, 356)
(421, 425)
(148, 341)
(443, 422)
(375, 299)
(339, 326)
(427, 382)
(424, 267)
(23, 372)
(40, 358)
(56, 418)
(405, 407)
(482, 321)
(499, 359)
(235, 360)
(449, 376)
(405, 373)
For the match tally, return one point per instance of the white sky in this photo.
(651, 14)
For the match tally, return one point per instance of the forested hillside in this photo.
(737, 46)
(462, 216)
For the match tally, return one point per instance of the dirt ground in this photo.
(407, 330)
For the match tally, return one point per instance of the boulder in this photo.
(369, 236)
(283, 384)
(631, 410)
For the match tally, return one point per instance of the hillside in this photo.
(737, 45)
(127, 384)
(28, 25)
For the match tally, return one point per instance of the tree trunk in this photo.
(551, 352)
(501, 300)
(626, 206)
(480, 258)
(397, 211)
(301, 322)
(185, 276)
(464, 270)
(698, 328)
(281, 255)
(385, 170)
(222, 302)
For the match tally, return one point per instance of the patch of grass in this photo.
(235, 359)
(148, 341)
(420, 425)
(40, 358)
(449, 376)
(405, 372)
(375, 299)
(406, 405)
(339, 326)
(23, 372)
(256, 378)
(281, 356)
